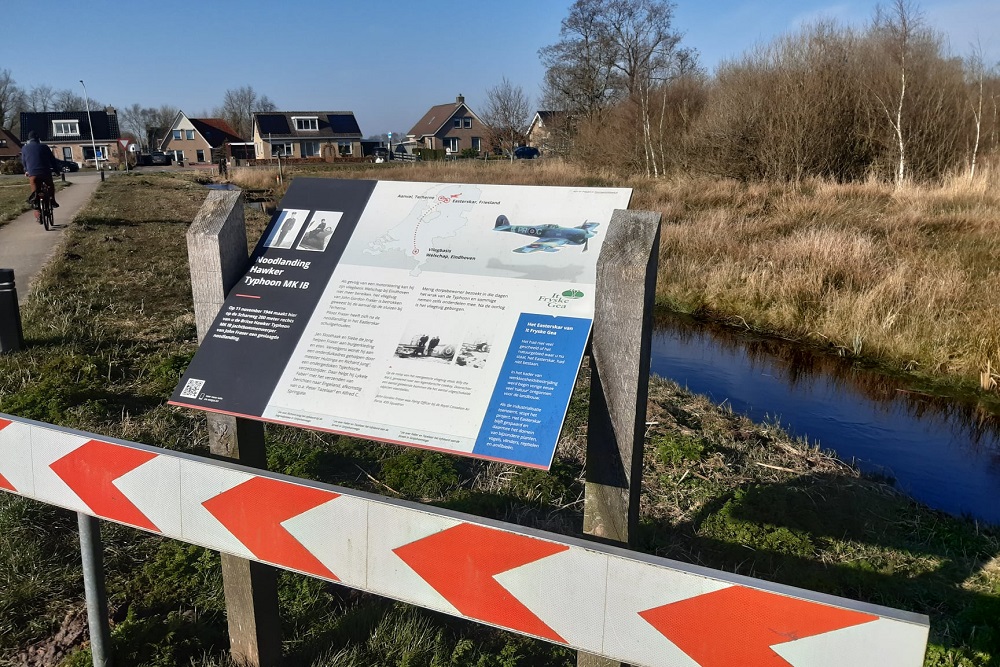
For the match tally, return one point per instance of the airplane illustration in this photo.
(551, 237)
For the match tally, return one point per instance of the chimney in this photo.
(460, 99)
(110, 111)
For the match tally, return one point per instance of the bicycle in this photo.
(44, 214)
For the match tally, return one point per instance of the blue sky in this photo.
(386, 60)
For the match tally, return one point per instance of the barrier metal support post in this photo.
(92, 556)
(619, 382)
(217, 256)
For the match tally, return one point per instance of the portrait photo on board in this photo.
(286, 229)
(321, 227)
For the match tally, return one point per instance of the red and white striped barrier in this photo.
(602, 600)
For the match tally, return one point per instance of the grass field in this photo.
(109, 330)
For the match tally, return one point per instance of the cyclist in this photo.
(39, 162)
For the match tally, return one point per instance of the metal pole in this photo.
(90, 121)
(11, 337)
(92, 555)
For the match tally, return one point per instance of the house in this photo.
(198, 140)
(454, 127)
(548, 131)
(10, 147)
(68, 134)
(319, 135)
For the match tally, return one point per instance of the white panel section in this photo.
(566, 591)
(881, 643)
(155, 489)
(200, 482)
(336, 532)
(634, 587)
(388, 575)
(47, 447)
(15, 456)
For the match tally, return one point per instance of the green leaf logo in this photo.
(573, 294)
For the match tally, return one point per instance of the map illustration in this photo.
(436, 215)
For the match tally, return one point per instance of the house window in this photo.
(67, 153)
(467, 123)
(177, 134)
(66, 128)
(88, 153)
(477, 143)
(178, 155)
(458, 122)
(189, 134)
(310, 148)
(201, 155)
(3, 143)
(451, 144)
(306, 123)
(345, 147)
(284, 150)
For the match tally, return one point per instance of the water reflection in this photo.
(945, 451)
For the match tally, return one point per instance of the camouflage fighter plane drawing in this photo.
(551, 237)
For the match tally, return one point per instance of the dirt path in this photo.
(25, 246)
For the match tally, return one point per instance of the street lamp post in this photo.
(90, 121)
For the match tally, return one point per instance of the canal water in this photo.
(943, 452)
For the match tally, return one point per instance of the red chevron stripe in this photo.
(254, 511)
(90, 471)
(460, 563)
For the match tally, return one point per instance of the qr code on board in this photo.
(192, 388)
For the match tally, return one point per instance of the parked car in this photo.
(526, 152)
(159, 157)
(65, 166)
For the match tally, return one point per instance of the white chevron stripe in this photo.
(392, 527)
(336, 532)
(15, 457)
(566, 591)
(47, 447)
(155, 489)
(881, 643)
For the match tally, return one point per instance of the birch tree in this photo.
(976, 72)
(898, 25)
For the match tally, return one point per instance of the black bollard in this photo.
(11, 337)
(102, 175)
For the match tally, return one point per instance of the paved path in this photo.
(25, 246)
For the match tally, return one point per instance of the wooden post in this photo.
(619, 382)
(217, 255)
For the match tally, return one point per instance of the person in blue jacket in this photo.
(39, 162)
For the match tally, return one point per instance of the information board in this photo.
(451, 317)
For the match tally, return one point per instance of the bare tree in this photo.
(240, 104)
(580, 77)
(40, 98)
(507, 113)
(11, 100)
(618, 50)
(67, 100)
